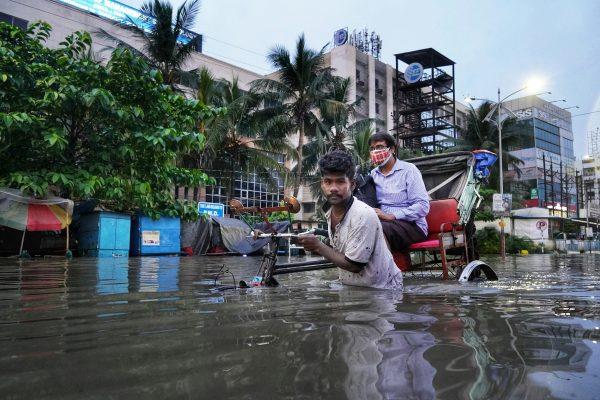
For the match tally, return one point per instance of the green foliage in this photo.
(159, 36)
(280, 216)
(484, 213)
(514, 245)
(483, 135)
(488, 242)
(291, 100)
(74, 127)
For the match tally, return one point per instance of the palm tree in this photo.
(360, 147)
(235, 141)
(336, 129)
(482, 134)
(160, 38)
(294, 96)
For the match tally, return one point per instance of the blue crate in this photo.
(104, 234)
(153, 237)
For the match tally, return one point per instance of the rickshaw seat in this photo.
(443, 223)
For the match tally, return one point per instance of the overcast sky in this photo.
(494, 43)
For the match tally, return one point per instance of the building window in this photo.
(357, 74)
(18, 22)
(309, 207)
(377, 108)
(376, 83)
(248, 186)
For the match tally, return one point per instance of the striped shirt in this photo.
(402, 193)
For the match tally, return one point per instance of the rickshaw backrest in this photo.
(440, 212)
(445, 175)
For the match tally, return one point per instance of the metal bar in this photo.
(302, 264)
(303, 269)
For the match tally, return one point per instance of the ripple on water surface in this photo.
(158, 327)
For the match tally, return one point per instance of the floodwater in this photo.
(156, 328)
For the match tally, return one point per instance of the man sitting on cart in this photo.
(358, 245)
(401, 194)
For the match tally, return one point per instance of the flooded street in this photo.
(156, 328)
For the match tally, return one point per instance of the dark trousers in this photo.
(401, 234)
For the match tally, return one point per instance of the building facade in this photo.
(546, 175)
(589, 189)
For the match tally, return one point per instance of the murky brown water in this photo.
(155, 328)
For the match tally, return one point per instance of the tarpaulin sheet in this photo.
(235, 234)
(22, 212)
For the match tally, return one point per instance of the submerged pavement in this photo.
(159, 328)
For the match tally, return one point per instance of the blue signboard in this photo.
(123, 13)
(413, 73)
(212, 209)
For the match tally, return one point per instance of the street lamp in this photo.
(568, 108)
(556, 101)
(498, 123)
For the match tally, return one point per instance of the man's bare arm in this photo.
(312, 244)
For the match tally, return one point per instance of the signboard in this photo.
(502, 204)
(542, 226)
(340, 37)
(150, 238)
(589, 232)
(534, 194)
(120, 12)
(413, 73)
(212, 209)
(593, 211)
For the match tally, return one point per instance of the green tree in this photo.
(483, 135)
(295, 93)
(237, 141)
(160, 36)
(74, 127)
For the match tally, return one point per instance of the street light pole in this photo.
(502, 239)
(499, 125)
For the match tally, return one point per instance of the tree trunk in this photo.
(300, 154)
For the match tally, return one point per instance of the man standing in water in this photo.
(358, 245)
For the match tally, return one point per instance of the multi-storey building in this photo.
(546, 175)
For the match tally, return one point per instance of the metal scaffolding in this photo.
(425, 111)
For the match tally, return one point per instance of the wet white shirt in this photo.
(359, 237)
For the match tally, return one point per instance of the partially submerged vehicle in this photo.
(453, 181)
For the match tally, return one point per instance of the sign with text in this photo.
(413, 73)
(502, 204)
(534, 193)
(212, 209)
(150, 238)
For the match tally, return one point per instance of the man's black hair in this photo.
(337, 161)
(386, 137)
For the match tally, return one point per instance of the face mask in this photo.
(380, 157)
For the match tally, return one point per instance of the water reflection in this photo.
(157, 325)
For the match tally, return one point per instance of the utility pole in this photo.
(553, 201)
(502, 239)
(562, 221)
(577, 198)
(545, 180)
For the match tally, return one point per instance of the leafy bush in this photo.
(488, 242)
(77, 128)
